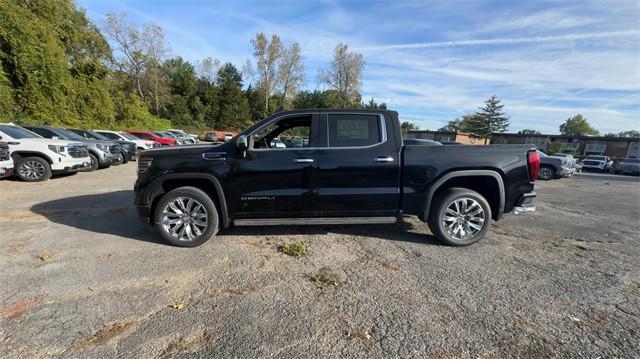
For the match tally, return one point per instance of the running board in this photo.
(313, 221)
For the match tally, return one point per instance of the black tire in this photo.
(120, 160)
(546, 173)
(93, 163)
(124, 158)
(33, 169)
(447, 198)
(210, 213)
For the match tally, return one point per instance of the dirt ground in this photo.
(82, 277)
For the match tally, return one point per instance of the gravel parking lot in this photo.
(82, 277)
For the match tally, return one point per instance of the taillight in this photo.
(533, 160)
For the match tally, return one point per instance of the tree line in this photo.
(59, 68)
(491, 119)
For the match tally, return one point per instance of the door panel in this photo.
(358, 174)
(271, 182)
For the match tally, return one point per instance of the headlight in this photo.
(148, 145)
(102, 147)
(144, 163)
(58, 149)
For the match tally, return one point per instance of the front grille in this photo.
(4, 152)
(78, 151)
(591, 163)
(131, 147)
(114, 149)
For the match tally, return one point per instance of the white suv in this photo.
(123, 136)
(37, 158)
(6, 162)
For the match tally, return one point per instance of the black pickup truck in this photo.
(332, 167)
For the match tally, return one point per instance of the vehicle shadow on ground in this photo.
(113, 213)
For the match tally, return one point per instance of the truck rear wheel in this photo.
(459, 217)
(33, 169)
(186, 217)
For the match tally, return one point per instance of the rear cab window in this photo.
(354, 130)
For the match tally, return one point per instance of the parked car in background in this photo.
(148, 135)
(165, 134)
(6, 162)
(554, 167)
(123, 136)
(447, 143)
(102, 153)
(597, 163)
(355, 169)
(190, 139)
(182, 137)
(209, 136)
(420, 142)
(128, 149)
(571, 159)
(628, 166)
(36, 158)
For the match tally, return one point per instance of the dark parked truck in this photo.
(350, 167)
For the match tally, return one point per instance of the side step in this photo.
(313, 221)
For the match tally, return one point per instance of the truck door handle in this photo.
(303, 160)
(383, 159)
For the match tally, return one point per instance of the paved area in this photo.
(81, 277)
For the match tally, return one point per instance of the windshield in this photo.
(128, 136)
(69, 135)
(97, 136)
(17, 132)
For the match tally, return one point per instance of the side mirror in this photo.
(242, 143)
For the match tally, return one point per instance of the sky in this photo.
(433, 61)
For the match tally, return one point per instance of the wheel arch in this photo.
(484, 182)
(17, 155)
(206, 182)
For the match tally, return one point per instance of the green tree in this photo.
(52, 59)
(407, 126)
(373, 105)
(233, 108)
(489, 119)
(527, 131)
(464, 124)
(630, 133)
(577, 126)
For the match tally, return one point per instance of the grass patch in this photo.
(294, 249)
(324, 278)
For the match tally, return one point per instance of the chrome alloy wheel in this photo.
(463, 218)
(184, 218)
(32, 170)
(545, 173)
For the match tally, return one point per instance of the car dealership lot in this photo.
(83, 277)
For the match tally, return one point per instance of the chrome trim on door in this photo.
(303, 160)
(383, 159)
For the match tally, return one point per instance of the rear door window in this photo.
(354, 130)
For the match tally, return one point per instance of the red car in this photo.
(147, 135)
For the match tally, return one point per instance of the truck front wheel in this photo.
(186, 217)
(33, 169)
(459, 217)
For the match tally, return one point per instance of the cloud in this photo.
(503, 41)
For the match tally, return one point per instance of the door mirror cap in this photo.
(242, 143)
